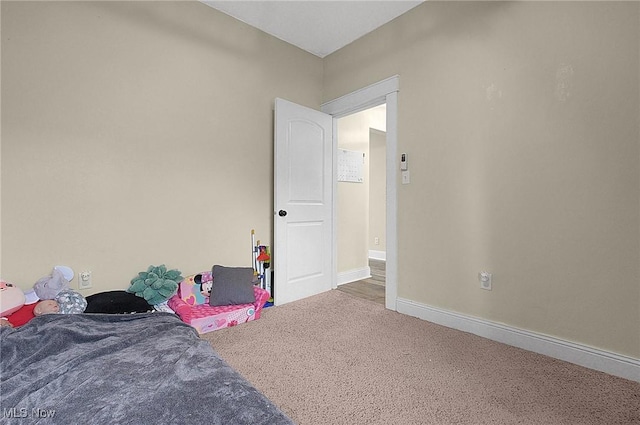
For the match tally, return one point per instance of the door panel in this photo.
(302, 250)
(306, 162)
(305, 240)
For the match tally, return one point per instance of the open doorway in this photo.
(361, 204)
(385, 91)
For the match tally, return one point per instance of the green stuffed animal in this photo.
(156, 285)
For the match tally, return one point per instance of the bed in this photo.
(122, 369)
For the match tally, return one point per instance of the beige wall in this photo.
(521, 121)
(353, 198)
(377, 190)
(357, 207)
(138, 133)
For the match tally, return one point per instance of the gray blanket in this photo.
(121, 369)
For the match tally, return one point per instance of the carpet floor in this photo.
(336, 359)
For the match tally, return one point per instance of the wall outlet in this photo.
(485, 280)
(406, 177)
(84, 280)
(376, 240)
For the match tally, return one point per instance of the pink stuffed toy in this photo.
(11, 298)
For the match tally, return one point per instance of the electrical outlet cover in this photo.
(485, 280)
(84, 280)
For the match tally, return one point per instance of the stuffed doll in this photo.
(11, 298)
(25, 304)
(48, 287)
(22, 316)
(66, 302)
(46, 307)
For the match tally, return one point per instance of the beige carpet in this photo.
(337, 359)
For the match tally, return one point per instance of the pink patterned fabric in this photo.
(206, 318)
(194, 293)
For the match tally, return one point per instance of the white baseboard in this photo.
(378, 255)
(603, 361)
(353, 275)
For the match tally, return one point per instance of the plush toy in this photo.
(48, 287)
(71, 302)
(156, 285)
(56, 296)
(22, 316)
(46, 307)
(66, 302)
(24, 313)
(11, 298)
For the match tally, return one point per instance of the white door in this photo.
(303, 173)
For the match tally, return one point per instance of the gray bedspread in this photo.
(121, 369)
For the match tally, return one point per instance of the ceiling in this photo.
(320, 26)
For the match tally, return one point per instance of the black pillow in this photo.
(232, 285)
(116, 302)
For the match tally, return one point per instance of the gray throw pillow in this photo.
(232, 285)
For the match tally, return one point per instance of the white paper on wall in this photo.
(350, 166)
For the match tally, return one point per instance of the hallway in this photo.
(372, 288)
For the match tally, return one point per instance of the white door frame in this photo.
(385, 91)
